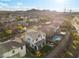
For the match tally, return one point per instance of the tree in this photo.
(27, 20)
(18, 18)
(8, 31)
(38, 53)
(21, 28)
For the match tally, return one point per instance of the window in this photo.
(44, 35)
(35, 47)
(36, 39)
(21, 47)
(43, 43)
(39, 35)
(39, 46)
(29, 39)
(13, 51)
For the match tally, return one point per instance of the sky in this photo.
(58, 5)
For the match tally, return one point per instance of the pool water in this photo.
(56, 38)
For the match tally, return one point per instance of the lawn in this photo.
(44, 51)
(46, 48)
(28, 55)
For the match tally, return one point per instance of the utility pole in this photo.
(64, 10)
(70, 11)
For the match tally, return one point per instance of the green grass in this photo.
(44, 51)
(46, 48)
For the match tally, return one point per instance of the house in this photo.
(34, 20)
(35, 39)
(75, 23)
(13, 48)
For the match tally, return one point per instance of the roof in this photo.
(12, 44)
(7, 46)
(39, 42)
(18, 40)
(34, 34)
(13, 37)
(63, 33)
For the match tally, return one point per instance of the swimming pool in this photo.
(57, 38)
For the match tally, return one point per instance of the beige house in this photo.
(13, 48)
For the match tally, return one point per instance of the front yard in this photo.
(39, 54)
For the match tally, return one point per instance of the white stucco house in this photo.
(35, 39)
(12, 49)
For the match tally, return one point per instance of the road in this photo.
(60, 48)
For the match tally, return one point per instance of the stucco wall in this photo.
(21, 52)
(10, 53)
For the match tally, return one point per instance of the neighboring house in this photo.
(13, 49)
(35, 39)
(75, 23)
(34, 20)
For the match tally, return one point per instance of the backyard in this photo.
(39, 54)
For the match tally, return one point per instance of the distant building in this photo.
(34, 20)
(35, 39)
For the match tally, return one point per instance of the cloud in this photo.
(19, 3)
(18, 6)
(22, 7)
(4, 4)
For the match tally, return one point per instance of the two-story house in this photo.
(35, 39)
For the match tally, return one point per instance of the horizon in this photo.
(23, 5)
(69, 10)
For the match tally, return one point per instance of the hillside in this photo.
(33, 13)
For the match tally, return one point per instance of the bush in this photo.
(46, 48)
